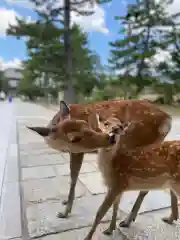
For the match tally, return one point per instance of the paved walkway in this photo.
(36, 180)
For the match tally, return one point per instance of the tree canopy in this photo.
(144, 28)
(59, 56)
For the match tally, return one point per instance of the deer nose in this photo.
(115, 129)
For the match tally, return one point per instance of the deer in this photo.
(125, 166)
(157, 124)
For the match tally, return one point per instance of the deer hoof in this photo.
(108, 232)
(168, 220)
(124, 224)
(65, 202)
(62, 215)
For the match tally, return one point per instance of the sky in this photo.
(101, 28)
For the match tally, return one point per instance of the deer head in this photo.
(64, 113)
(125, 132)
(75, 135)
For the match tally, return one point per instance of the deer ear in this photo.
(42, 131)
(93, 120)
(64, 109)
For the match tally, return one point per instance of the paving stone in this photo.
(154, 200)
(13, 239)
(90, 157)
(43, 159)
(13, 150)
(31, 122)
(12, 170)
(38, 172)
(13, 138)
(80, 234)
(42, 217)
(93, 182)
(10, 222)
(159, 214)
(33, 146)
(95, 164)
(51, 189)
(38, 151)
(65, 169)
(31, 139)
(149, 228)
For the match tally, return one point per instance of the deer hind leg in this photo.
(133, 214)
(105, 206)
(174, 206)
(112, 225)
(76, 160)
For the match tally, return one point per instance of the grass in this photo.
(172, 110)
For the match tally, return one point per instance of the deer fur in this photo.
(155, 126)
(126, 167)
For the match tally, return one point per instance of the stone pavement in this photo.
(37, 180)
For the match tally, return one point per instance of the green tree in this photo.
(85, 61)
(142, 38)
(28, 86)
(4, 85)
(55, 13)
(47, 58)
(169, 69)
(1, 79)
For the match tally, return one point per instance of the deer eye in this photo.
(115, 129)
(106, 124)
(120, 126)
(76, 139)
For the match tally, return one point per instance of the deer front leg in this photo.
(133, 214)
(76, 160)
(107, 203)
(174, 209)
(112, 225)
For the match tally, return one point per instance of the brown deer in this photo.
(126, 167)
(157, 124)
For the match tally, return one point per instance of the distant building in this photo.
(13, 76)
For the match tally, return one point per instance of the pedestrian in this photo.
(10, 98)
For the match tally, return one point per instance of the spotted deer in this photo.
(126, 167)
(157, 124)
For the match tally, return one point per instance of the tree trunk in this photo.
(69, 91)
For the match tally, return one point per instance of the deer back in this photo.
(155, 124)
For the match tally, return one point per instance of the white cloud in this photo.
(161, 56)
(174, 7)
(165, 55)
(95, 22)
(7, 17)
(14, 63)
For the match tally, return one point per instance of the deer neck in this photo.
(123, 146)
(103, 141)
